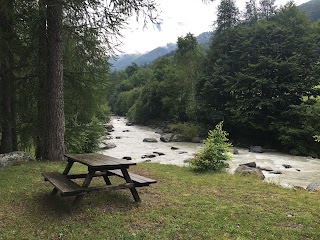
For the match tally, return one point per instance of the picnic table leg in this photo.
(85, 184)
(134, 191)
(106, 179)
(65, 172)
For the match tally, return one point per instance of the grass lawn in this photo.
(182, 205)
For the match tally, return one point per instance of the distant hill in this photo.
(125, 60)
(312, 8)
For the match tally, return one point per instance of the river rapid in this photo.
(129, 143)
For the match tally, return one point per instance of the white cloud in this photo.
(178, 17)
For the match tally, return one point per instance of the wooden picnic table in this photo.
(98, 166)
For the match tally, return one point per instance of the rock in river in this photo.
(151, 140)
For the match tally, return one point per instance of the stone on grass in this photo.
(313, 187)
(248, 171)
(12, 158)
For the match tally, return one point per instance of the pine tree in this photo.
(227, 16)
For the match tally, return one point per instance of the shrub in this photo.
(216, 150)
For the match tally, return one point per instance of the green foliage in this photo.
(298, 137)
(186, 129)
(215, 151)
(84, 138)
(255, 73)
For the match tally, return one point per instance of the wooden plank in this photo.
(141, 180)
(99, 161)
(110, 187)
(84, 175)
(63, 183)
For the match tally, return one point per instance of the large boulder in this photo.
(256, 149)
(313, 187)
(107, 145)
(250, 164)
(196, 140)
(12, 158)
(109, 127)
(150, 140)
(179, 138)
(249, 171)
(166, 137)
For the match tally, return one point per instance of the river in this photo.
(129, 143)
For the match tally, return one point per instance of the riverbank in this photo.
(129, 143)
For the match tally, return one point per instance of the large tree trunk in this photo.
(42, 81)
(8, 139)
(55, 118)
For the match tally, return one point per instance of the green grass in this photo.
(182, 205)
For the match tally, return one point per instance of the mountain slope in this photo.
(312, 9)
(125, 60)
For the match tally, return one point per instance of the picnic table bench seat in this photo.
(61, 182)
(138, 180)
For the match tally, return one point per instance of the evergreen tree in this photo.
(251, 11)
(227, 16)
(267, 8)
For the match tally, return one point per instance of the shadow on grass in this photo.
(45, 205)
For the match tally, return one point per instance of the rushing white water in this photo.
(129, 142)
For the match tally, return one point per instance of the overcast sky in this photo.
(177, 17)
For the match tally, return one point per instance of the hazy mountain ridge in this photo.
(125, 60)
(312, 9)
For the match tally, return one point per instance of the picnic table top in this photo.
(99, 161)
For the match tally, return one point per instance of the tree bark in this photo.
(54, 148)
(42, 81)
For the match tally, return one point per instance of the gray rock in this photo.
(108, 145)
(256, 149)
(159, 153)
(125, 131)
(150, 140)
(235, 151)
(174, 148)
(196, 140)
(268, 169)
(287, 166)
(276, 172)
(313, 187)
(248, 171)
(250, 164)
(148, 160)
(179, 138)
(109, 127)
(148, 156)
(12, 158)
(127, 158)
(118, 137)
(183, 152)
(129, 124)
(166, 137)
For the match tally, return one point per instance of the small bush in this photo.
(216, 150)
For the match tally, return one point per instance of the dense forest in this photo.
(260, 76)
